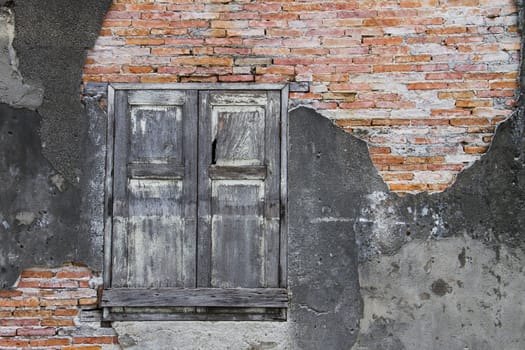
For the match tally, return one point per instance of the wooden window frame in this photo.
(195, 303)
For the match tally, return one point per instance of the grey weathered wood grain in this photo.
(248, 172)
(156, 133)
(129, 315)
(238, 98)
(240, 198)
(156, 97)
(187, 297)
(283, 227)
(190, 152)
(90, 315)
(155, 171)
(204, 188)
(237, 256)
(201, 86)
(119, 276)
(108, 189)
(239, 138)
(272, 189)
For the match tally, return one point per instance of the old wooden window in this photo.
(195, 202)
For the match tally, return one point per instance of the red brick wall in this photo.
(424, 82)
(43, 312)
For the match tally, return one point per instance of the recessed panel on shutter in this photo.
(239, 189)
(154, 189)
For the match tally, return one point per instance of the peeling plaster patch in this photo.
(475, 302)
(25, 218)
(386, 231)
(13, 90)
(59, 181)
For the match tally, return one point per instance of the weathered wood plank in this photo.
(283, 247)
(155, 251)
(188, 297)
(156, 97)
(200, 86)
(238, 98)
(120, 196)
(272, 186)
(238, 137)
(238, 198)
(204, 188)
(208, 316)
(189, 190)
(249, 172)
(108, 190)
(155, 171)
(156, 133)
(237, 255)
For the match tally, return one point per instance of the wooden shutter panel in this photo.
(239, 176)
(154, 209)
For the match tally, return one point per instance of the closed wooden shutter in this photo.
(155, 192)
(239, 174)
(194, 220)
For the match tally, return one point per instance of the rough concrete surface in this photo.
(51, 42)
(39, 209)
(325, 195)
(52, 161)
(455, 293)
(203, 335)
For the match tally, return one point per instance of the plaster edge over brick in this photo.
(424, 83)
(51, 43)
(45, 307)
(13, 89)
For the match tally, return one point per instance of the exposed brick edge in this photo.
(42, 311)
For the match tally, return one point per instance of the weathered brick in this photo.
(19, 322)
(57, 322)
(66, 312)
(82, 347)
(32, 313)
(7, 293)
(29, 302)
(104, 339)
(370, 61)
(388, 159)
(37, 274)
(157, 78)
(36, 331)
(145, 41)
(473, 103)
(49, 342)
(203, 60)
(14, 343)
(475, 149)
(137, 69)
(58, 302)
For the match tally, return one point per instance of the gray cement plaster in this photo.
(39, 209)
(456, 293)
(203, 335)
(51, 42)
